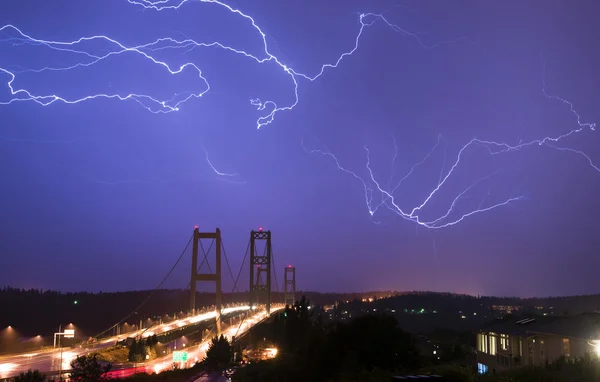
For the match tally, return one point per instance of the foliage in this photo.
(88, 368)
(367, 348)
(30, 376)
(219, 355)
(139, 349)
(113, 354)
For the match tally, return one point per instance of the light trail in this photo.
(198, 352)
(50, 361)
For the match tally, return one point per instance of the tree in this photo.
(30, 376)
(371, 342)
(88, 368)
(219, 355)
(137, 351)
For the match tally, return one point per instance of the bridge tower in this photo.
(212, 277)
(262, 263)
(289, 285)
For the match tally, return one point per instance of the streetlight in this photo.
(68, 333)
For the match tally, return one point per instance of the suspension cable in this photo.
(241, 268)
(153, 291)
(227, 262)
(275, 273)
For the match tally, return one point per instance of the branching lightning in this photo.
(88, 59)
(376, 195)
(388, 198)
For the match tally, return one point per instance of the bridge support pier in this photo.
(212, 277)
(260, 288)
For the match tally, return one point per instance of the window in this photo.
(520, 347)
(482, 342)
(493, 343)
(504, 341)
(566, 347)
(481, 368)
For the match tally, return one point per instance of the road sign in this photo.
(180, 356)
(69, 333)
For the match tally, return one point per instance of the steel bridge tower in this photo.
(262, 263)
(213, 277)
(289, 285)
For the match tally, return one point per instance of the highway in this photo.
(47, 361)
(197, 353)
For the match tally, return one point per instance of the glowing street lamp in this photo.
(68, 333)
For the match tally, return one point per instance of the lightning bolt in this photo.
(87, 55)
(387, 197)
(83, 49)
(225, 176)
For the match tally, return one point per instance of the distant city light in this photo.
(75, 302)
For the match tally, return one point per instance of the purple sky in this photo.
(103, 194)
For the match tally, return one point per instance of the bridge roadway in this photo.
(195, 353)
(49, 361)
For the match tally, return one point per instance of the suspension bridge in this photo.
(231, 319)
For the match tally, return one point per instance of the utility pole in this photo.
(213, 277)
(61, 353)
(263, 263)
(289, 285)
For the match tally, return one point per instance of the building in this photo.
(508, 344)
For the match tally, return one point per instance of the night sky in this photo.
(103, 194)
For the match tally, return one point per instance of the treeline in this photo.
(92, 313)
(311, 350)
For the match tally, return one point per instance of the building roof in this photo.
(517, 326)
(585, 325)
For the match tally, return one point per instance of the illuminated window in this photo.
(482, 343)
(504, 341)
(493, 343)
(566, 347)
(481, 368)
